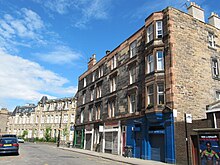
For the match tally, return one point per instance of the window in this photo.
(84, 82)
(81, 116)
(150, 63)
(160, 94)
(111, 109)
(133, 48)
(93, 76)
(98, 92)
(211, 40)
(218, 95)
(92, 94)
(42, 119)
(48, 119)
(36, 119)
(72, 118)
(160, 62)
(66, 105)
(56, 119)
(132, 103)
(150, 93)
(90, 114)
(65, 118)
(150, 34)
(113, 84)
(84, 97)
(98, 110)
(51, 119)
(100, 71)
(113, 62)
(132, 75)
(159, 29)
(215, 70)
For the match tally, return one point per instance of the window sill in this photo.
(216, 78)
(213, 48)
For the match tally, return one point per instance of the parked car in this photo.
(20, 140)
(9, 135)
(9, 145)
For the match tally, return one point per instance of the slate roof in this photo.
(24, 109)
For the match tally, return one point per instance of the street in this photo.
(42, 154)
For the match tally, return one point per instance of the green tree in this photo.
(48, 134)
(65, 132)
(25, 133)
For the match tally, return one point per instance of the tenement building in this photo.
(137, 95)
(4, 114)
(49, 116)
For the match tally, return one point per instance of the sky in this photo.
(45, 45)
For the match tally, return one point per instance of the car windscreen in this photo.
(8, 141)
(8, 135)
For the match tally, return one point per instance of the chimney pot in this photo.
(107, 52)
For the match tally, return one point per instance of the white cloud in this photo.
(61, 55)
(92, 10)
(23, 27)
(59, 6)
(83, 11)
(26, 80)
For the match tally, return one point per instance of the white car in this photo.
(20, 140)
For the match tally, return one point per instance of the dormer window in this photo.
(133, 48)
(100, 71)
(150, 33)
(159, 29)
(93, 76)
(84, 82)
(113, 62)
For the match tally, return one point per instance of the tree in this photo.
(25, 133)
(48, 134)
(65, 132)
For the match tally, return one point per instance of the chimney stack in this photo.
(196, 11)
(214, 20)
(91, 62)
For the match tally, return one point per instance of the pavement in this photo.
(118, 158)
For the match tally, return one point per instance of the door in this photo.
(195, 149)
(157, 147)
(138, 141)
(88, 141)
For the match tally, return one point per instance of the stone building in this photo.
(4, 114)
(138, 94)
(51, 114)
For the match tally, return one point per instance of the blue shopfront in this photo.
(152, 137)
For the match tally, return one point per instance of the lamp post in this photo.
(58, 139)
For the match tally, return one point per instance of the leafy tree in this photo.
(25, 133)
(48, 134)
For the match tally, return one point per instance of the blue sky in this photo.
(45, 44)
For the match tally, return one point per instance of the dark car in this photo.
(9, 135)
(9, 145)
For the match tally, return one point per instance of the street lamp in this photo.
(58, 139)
